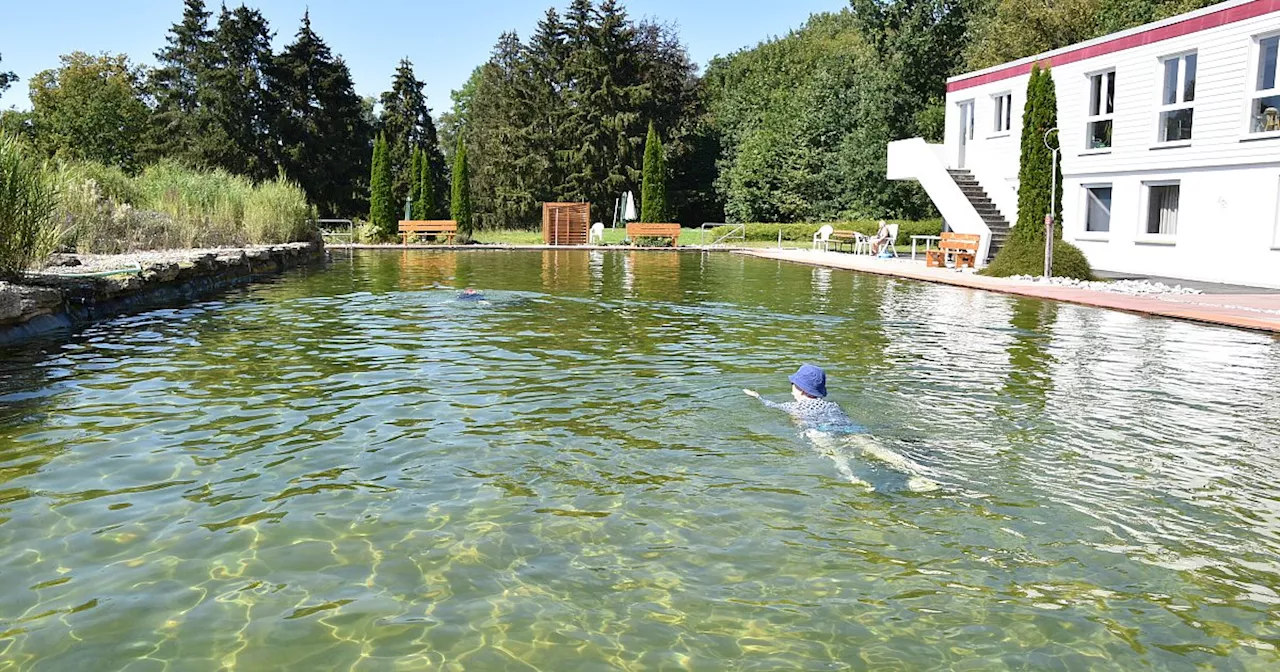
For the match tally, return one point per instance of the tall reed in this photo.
(29, 230)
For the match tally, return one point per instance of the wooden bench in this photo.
(637, 230)
(442, 227)
(963, 247)
(839, 237)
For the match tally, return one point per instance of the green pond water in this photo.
(346, 469)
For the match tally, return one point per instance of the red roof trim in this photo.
(1196, 24)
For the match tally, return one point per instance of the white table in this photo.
(928, 242)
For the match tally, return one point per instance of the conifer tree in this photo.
(653, 194)
(427, 188)
(1024, 253)
(407, 122)
(382, 208)
(325, 134)
(237, 97)
(460, 202)
(1035, 170)
(175, 85)
(415, 185)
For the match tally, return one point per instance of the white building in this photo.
(1170, 136)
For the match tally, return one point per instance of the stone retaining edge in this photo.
(51, 303)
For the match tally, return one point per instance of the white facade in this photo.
(1205, 207)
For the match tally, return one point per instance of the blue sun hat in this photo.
(811, 380)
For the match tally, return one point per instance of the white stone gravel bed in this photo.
(1128, 287)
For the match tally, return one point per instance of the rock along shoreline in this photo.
(62, 297)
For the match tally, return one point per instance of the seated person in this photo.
(882, 239)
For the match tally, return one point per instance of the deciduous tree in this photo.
(90, 108)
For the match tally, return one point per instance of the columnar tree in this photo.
(415, 185)
(1035, 168)
(1023, 254)
(460, 202)
(426, 182)
(653, 194)
(382, 207)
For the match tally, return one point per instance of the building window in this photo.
(1177, 97)
(1264, 105)
(1162, 209)
(1102, 108)
(1097, 212)
(1003, 104)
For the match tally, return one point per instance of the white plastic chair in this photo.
(861, 243)
(597, 233)
(822, 239)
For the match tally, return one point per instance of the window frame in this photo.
(1179, 102)
(1107, 87)
(1145, 220)
(1253, 93)
(1086, 191)
(998, 105)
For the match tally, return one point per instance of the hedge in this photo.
(805, 232)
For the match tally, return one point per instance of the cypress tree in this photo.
(1035, 170)
(460, 203)
(653, 193)
(427, 188)
(382, 209)
(1024, 253)
(415, 185)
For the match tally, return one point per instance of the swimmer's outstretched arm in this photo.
(771, 404)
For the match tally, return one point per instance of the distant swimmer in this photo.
(825, 424)
(472, 296)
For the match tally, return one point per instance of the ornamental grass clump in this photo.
(29, 230)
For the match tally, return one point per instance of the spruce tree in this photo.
(407, 122)
(242, 137)
(415, 185)
(653, 195)
(382, 207)
(175, 85)
(324, 131)
(460, 202)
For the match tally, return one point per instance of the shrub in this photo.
(1019, 257)
(28, 201)
(805, 232)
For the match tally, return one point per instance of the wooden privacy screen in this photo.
(565, 223)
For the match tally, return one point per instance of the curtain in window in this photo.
(1162, 217)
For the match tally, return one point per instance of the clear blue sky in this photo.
(445, 39)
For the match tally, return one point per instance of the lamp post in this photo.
(1053, 207)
